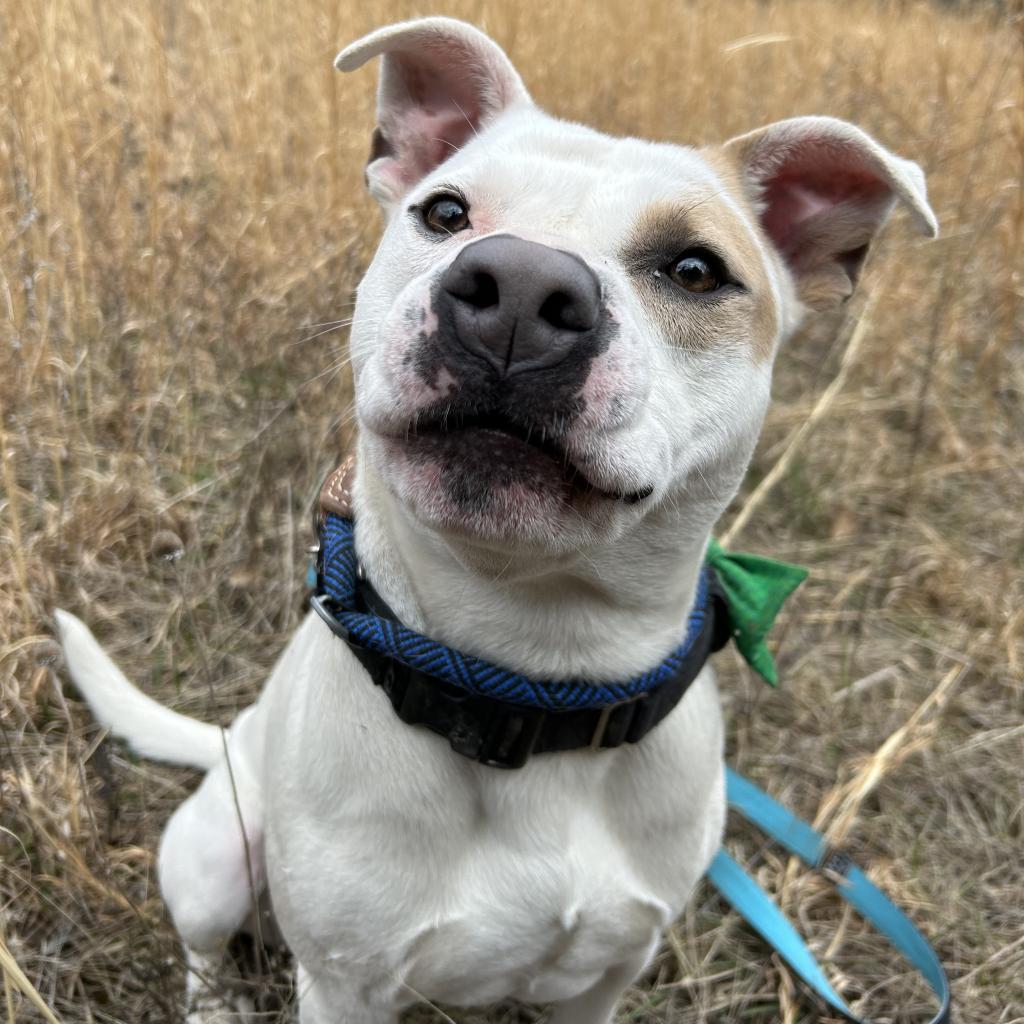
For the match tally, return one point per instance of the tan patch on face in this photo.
(669, 227)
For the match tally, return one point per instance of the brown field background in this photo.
(182, 225)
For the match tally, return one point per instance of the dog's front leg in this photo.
(208, 997)
(597, 1004)
(328, 998)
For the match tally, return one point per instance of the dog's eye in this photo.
(446, 215)
(697, 270)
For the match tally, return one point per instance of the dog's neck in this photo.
(605, 616)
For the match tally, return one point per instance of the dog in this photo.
(562, 355)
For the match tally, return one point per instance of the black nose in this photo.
(519, 305)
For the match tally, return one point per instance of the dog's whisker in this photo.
(329, 371)
(338, 326)
(465, 116)
(445, 142)
(341, 421)
(327, 377)
(325, 323)
(320, 334)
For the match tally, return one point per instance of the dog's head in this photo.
(563, 332)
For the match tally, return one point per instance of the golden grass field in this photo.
(182, 226)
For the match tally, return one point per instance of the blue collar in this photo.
(338, 580)
(489, 713)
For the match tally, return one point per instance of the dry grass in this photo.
(183, 224)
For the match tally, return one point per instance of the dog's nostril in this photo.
(564, 312)
(479, 290)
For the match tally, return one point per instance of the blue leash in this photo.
(761, 913)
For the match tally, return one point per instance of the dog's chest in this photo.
(421, 872)
(468, 896)
(535, 906)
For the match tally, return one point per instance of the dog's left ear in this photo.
(441, 82)
(824, 188)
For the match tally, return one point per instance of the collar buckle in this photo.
(493, 732)
(601, 726)
(322, 605)
(511, 737)
(615, 724)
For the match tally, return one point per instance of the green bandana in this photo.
(755, 589)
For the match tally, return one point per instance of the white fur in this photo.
(399, 870)
(153, 730)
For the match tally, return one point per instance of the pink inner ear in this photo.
(805, 188)
(436, 99)
(435, 87)
(424, 138)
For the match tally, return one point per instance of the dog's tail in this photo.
(151, 729)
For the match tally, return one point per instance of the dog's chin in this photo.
(490, 488)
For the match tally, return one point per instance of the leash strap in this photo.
(764, 916)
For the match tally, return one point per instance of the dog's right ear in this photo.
(441, 82)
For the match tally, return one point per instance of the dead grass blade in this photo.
(13, 974)
(841, 806)
(817, 414)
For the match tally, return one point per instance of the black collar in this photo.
(480, 726)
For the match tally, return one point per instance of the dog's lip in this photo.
(534, 436)
(541, 438)
(453, 422)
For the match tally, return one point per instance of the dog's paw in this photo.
(215, 1008)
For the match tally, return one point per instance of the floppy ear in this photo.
(824, 188)
(441, 82)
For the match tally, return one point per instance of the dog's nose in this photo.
(519, 305)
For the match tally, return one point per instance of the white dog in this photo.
(562, 354)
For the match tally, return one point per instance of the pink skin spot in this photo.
(430, 321)
(615, 383)
(421, 478)
(446, 383)
(413, 320)
(603, 383)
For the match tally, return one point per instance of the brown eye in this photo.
(446, 215)
(696, 271)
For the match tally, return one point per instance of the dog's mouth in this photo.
(506, 451)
